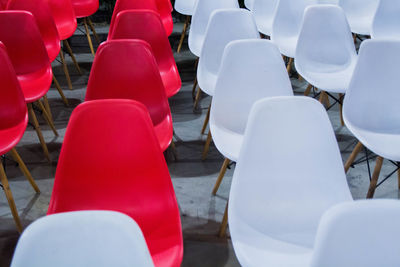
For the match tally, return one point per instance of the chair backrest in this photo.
(200, 19)
(3, 4)
(363, 233)
(111, 160)
(64, 17)
(325, 38)
(359, 12)
(82, 238)
(12, 102)
(245, 68)
(126, 69)
(264, 13)
(44, 19)
(225, 25)
(371, 101)
(386, 24)
(289, 171)
(121, 5)
(26, 51)
(165, 8)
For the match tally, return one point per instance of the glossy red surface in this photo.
(165, 8)
(111, 160)
(127, 69)
(13, 112)
(85, 8)
(44, 19)
(64, 17)
(122, 5)
(146, 25)
(27, 53)
(3, 4)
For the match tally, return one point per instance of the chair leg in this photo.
(65, 42)
(308, 90)
(375, 176)
(65, 68)
(38, 131)
(322, 98)
(326, 100)
(93, 30)
(300, 78)
(341, 109)
(58, 87)
(24, 169)
(183, 34)
(47, 106)
(206, 146)
(88, 36)
(10, 198)
(221, 176)
(207, 118)
(224, 223)
(197, 99)
(194, 88)
(47, 117)
(353, 156)
(289, 65)
(173, 149)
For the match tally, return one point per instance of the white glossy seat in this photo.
(82, 238)
(386, 24)
(185, 7)
(200, 19)
(277, 197)
(362, 233)
(325, 54)
(264, 12)
(287, 23)
(360, 14)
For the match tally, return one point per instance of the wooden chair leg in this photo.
(65, 68)
(308, 90)
(58, 87)
(341, 109)
(322, 98)
(197, 99)
(183, 34)
(10, 198)
(65, 42)
(173, 149)
(300, 78)
(289, 65)
(89, 38)
(38, 131)
(206, 146)
(353, 156)
(375, 177)
(47, 106)
(224, 223)
(24, 169)
(207, 118)
(93, 30)
(194, 88)
(47, 117)
(326, 100)
(221, 176)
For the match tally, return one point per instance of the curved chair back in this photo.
(386, 24)
(82, 238)
(64, 17)
(264, 13)
(360, 14)
(165, 8)
(85, 8)
(348, 235)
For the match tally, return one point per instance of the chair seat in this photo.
(66, 29)
(287, 45)
(196, 43)
(168, 23)
(361, 25)
(264, 25)
(207, 81)
(36, 85)
(166, 252)
(171, 81)
(164, 131)
(227, 142)
(85, 8)
(53, 49)
(10, 137)
(185, 7)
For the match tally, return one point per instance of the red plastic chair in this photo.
(122, 5)
(13, 121)
(146, 25)
(126, 69)
(45, 22)
(31, 63)
(111, 160)
(165, 8)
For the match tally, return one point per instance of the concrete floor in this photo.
(193, 179)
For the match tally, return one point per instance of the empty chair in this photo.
(147, 26)
(360, 14)
(325, 54)
(31, 63)
(82, 238)
(386, 24)
(111, 160)
(240, 83)
(127, 69)
(347, 235)
(370, 108)
(200, 19)
(274, 209)
(264, 13)
(13, 121)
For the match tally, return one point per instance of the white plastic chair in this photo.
(249, 4)
(371, 109)
(359, 234)
(289, 172)
(200, 19)
(185, 7)
(286, 24)
(360, 14)
(264, 12)
(82, 238)
(386, 24)
(250, 70)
